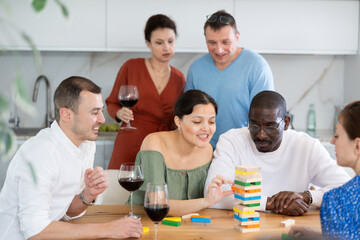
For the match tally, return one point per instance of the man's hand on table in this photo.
(288, 203)
(124, 228)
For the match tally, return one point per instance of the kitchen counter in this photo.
(104, 144)
(324, 135)
(26, 133)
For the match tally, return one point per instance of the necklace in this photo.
(159, 71)
(160, 78)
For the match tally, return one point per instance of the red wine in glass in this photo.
(129, 103)
(157, 212)
(131, 184)
(128, 97)
(156, 202)
(131, 178)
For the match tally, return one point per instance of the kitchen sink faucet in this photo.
(48, 117)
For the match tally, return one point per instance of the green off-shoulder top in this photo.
(182, 184)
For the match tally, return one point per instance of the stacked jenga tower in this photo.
(247, 195)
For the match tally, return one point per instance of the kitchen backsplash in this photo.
(293, 74)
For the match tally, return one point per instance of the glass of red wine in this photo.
(131, 178)
(128, 97)
(156, 202)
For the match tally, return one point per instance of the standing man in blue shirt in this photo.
(230, 74)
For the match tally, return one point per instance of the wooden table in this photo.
(221, 226)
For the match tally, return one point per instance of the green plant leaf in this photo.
(8, 143)
(33, 173)
(4, 104)
(36, 53)
(38, 5)
(5, 6)
(64, 10)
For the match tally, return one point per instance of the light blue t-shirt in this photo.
(232, 88)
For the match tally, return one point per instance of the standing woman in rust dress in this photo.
(159, 86)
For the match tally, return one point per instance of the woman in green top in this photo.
(182, 157)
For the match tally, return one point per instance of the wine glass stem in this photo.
(131, 208)
(156, 226)
(128, 124)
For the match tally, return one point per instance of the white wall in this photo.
(293, 74)
(352, 77)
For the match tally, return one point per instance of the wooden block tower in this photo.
(247, 195)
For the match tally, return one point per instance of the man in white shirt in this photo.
(290, 161)
(51, 178)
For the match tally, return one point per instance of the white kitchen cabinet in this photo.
(126, 21)
(50, 30)
(298, 26)
(266, 26)
(275, 27)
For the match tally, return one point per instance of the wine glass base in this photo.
(128, 128)
(133, 216)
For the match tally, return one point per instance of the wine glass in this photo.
(131, 178)
(128, 97)
(156, 202)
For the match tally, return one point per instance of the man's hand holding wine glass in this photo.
(96, 182)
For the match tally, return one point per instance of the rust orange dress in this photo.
(152, 113)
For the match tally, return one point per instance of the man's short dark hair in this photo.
(68, 92)
(217, 25)
(269, 100)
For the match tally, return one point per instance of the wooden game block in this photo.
(253, 205)
(243, 216)
(253, 190)
(244, 173)
(238, 189)
(249, 178)
(246, 212)
(146, 229)
(287, 222)
(252, 226)
(199, 216)
(201, 219)
(246, 230)
(248, 220)
(237, 196)
(248, 168)
(189, 215)
(285, 236)
(171, 223)
(246, 195)
(174, 219)
(245, 224)
(248, 187)
(245, 208)
(239, 201)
